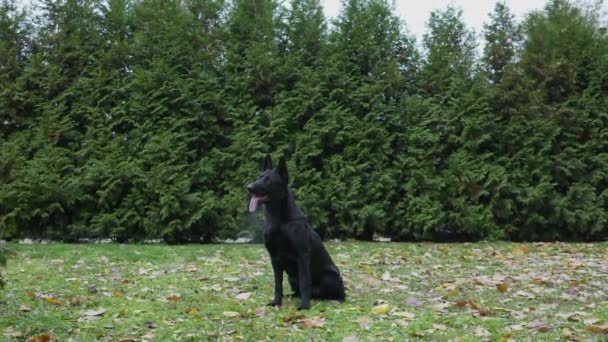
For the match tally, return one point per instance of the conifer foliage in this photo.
(143, 119)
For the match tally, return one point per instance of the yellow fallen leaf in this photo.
(502, 287)
(381, 309)
(192, 311)
(54, 301)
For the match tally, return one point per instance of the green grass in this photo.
(435, 292)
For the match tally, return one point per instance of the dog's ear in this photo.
(267, 163)
(282, 169)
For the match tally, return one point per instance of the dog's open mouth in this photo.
(255, 200)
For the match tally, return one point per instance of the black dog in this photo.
(293, 246)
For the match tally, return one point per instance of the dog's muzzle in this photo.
(256, 198)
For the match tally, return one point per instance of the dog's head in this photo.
(270, 185)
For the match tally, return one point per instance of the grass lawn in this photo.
(395, 291)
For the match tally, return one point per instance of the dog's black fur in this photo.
(292, 244)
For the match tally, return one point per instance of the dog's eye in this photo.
(266, 180)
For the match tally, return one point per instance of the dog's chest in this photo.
(278, 242)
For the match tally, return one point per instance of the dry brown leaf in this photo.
(598, 329)
(293, 317)
(77, 300)
(462, 303)
(174, 298)
(314, 322)
(41, 338)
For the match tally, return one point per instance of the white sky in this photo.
(417, 12)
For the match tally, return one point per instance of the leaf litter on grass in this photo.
(394, 291)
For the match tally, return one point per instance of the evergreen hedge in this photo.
(144, 119)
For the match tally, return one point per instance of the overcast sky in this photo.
(417, 12)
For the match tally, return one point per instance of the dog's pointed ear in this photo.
(282, 169)
(267, 163)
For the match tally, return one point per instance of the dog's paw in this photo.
(275, 304)
(304, 307)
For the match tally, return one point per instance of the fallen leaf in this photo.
(413, 302)
(440, 327)
(193, 311)
(54, 302)
(11, 332)
(365, 322)
(243, 296)
(462, 303)
(41, 338)
(381, 309)
(98, 312)
(174, 298)
(521, 250)
(598, 329)
(231, 314)
(350, 339)
(482, 332)
(25, 308)
(261, 311)
(539, 325)
(406, 315)
(502, 287)
(293, 317)
(591, 320)
(77, 300)
(314, 322)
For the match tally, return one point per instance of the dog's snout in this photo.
(249, 187)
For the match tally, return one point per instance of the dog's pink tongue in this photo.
(253, 204)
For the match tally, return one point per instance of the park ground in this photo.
(395, 292)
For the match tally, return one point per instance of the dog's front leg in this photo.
(305, 280)
(278, 281)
